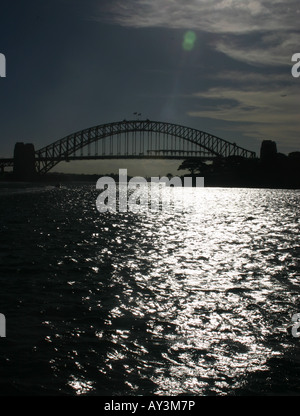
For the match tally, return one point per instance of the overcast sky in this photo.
(73, 64)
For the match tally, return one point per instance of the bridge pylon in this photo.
(24, 161)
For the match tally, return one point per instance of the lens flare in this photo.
(189, 40)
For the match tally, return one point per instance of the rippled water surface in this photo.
(195, 302)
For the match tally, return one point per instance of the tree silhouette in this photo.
(194, 165)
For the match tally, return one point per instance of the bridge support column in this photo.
(24, 161)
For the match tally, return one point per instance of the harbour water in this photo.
(193, 302)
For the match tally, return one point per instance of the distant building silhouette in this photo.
(268, 150)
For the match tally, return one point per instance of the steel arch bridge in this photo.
(141, 139)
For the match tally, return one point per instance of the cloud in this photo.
(263, 114)
(215, 16)
(276, 22)
(274, 49)
(260, 103)
(251, 78)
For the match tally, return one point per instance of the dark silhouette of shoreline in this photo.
(271, 170)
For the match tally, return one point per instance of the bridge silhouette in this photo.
(133, 139)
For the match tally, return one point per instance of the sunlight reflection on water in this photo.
(185, 302)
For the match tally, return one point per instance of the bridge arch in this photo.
(137, 139)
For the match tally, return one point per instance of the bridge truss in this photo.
(141, 139)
